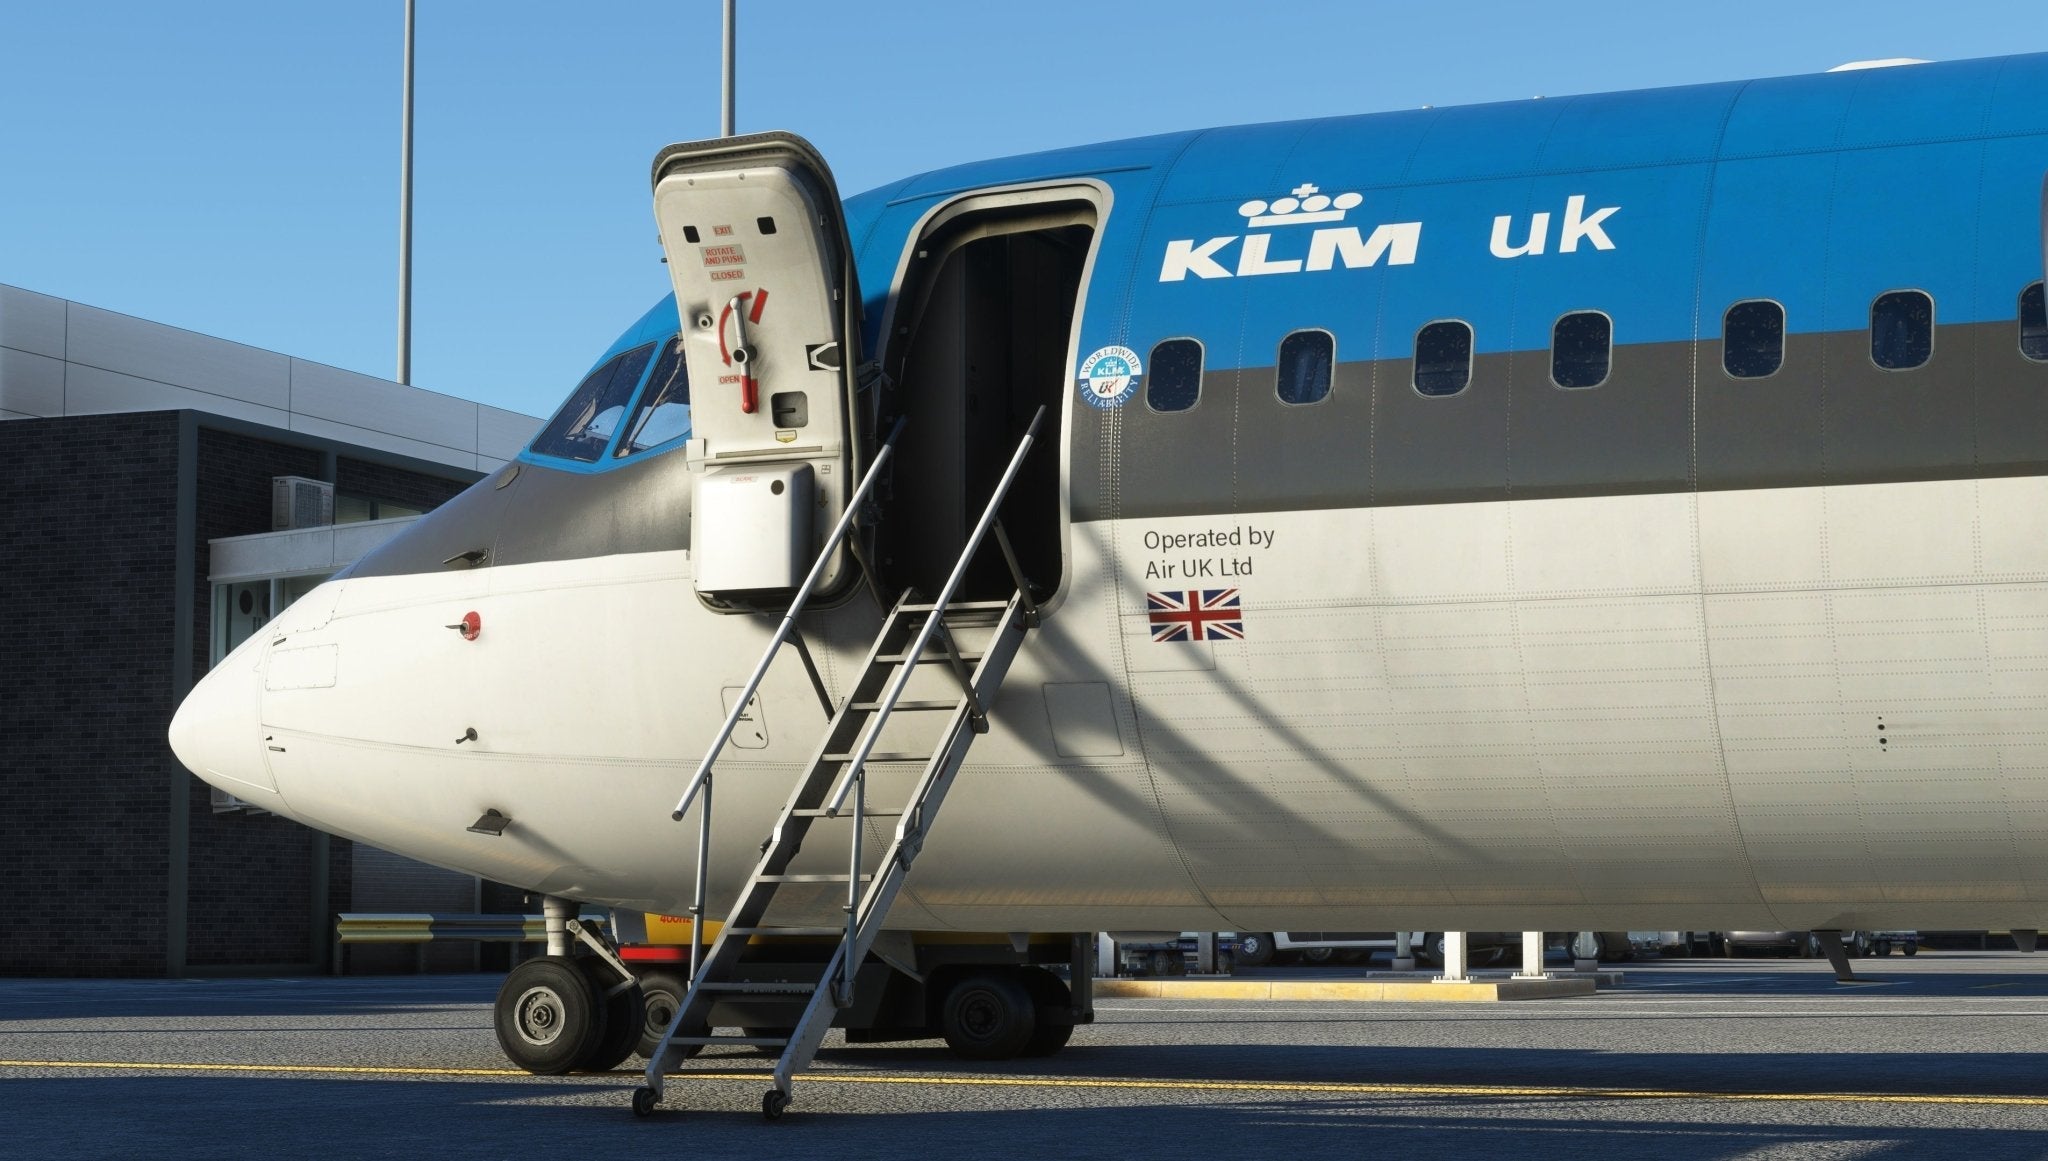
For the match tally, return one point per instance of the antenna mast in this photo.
(405, 213)
(725, 108)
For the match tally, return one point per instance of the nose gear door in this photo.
(765, 286)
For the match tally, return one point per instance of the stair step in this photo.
(757, 987)
(756, 1041)
(880, 756)
(928, 658)
(844, 812)
(786, 930)
(960, 607)
(829, 878)
(907, 704)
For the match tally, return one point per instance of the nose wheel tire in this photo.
(548, 1018)
(624, 1015)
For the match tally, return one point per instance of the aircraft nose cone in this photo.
(218, 732)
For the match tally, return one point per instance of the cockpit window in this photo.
(664, 410)
(585, 424)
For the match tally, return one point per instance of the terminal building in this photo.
(162, 495)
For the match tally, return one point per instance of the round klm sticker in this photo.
(1110, 376)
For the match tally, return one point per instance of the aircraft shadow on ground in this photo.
(63, 1001)
(170, 1117)
(1915, 1073)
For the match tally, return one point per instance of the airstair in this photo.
(961, 648)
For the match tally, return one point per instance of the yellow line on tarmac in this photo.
(320, 1069)
(1253, 1086)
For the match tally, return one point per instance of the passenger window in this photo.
(1443, 358)
(1174, 375)
(1901, 329)
(1307, 360)
(584, 425)
(1753, 339)
(2033, 324)
(663, 413)
(1581, 347)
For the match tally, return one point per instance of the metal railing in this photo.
(700, 782)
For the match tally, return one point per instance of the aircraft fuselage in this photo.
(1348, 631)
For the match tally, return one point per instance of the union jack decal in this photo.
(1196, 615)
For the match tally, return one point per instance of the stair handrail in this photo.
(782, 631)
(858, 760)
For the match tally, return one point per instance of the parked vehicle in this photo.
(1602, 946)
(1152, 958)
(1805, 943)
(1784, 943)
(1259, 948)
(1674, 944)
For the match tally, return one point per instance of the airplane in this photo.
(1601, 512)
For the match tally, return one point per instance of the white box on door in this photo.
(750, 528)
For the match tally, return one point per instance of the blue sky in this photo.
(232, 167)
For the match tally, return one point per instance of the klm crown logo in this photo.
(1304, 205)
(1329, 246)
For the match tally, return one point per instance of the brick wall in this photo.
(88, 529)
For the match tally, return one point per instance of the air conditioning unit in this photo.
(225, 803)
(298, 502)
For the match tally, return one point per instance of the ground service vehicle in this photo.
(987, 996)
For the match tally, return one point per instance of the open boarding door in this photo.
(765, 286)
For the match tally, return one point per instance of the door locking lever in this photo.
(739, 356)
(468, 735)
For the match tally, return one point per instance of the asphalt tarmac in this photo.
(1940, 1055)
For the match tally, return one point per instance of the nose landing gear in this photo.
(562, 1013)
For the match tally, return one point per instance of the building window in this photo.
(355, 509)
(1753, 339)
(663, 413)
(1174, 381)
(238, 611)
(1581, 347)
(2033, 324)
(241, 608)
(1443, 358)
(584, 426)
(1901, 329)
(1307, 360)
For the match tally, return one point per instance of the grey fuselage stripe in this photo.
(1667, 419)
